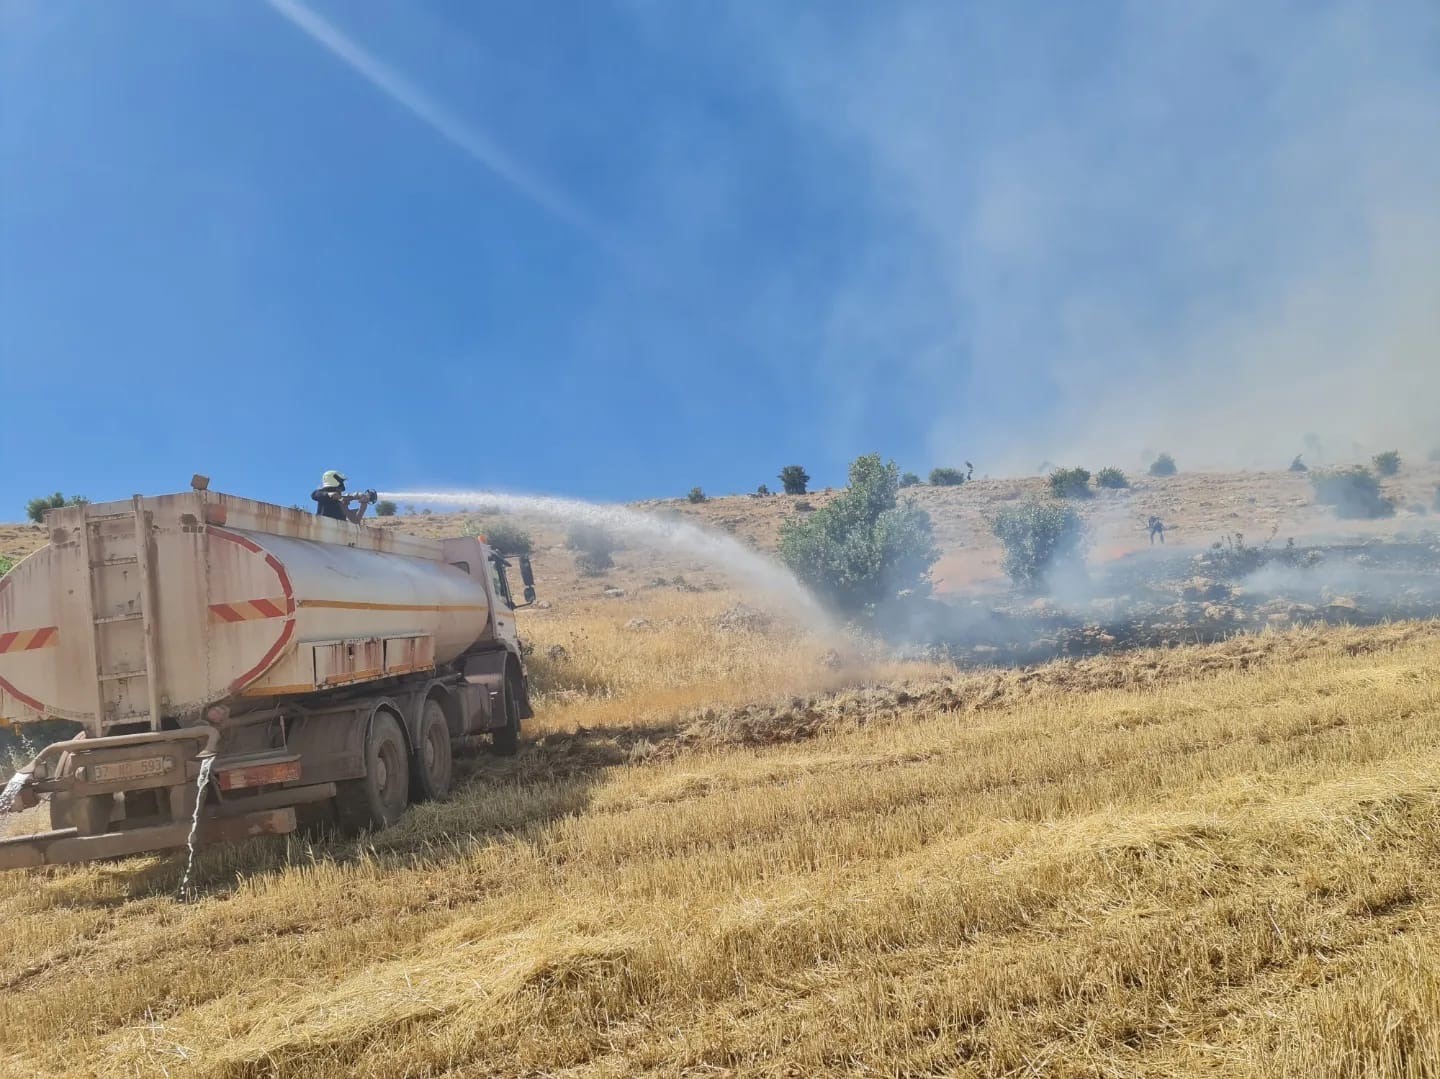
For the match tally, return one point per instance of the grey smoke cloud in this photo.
(1207, 228)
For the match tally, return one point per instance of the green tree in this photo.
(594, 548)
(697, 495)
(864, 546)
(36, 508)
(1387, 463)
(504, 536)
(1164, 465)
(795, 479)
(1111, 478)
(946, 477)
(1070, 483)
(909, 479)
(1352, 492)
(385, 508)
(1038, 537)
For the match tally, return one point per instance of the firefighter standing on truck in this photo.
(332, 501)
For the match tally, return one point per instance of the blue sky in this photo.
(616, 249)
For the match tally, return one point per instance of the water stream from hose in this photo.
(187, 892)
(12, 791)
(773, 581)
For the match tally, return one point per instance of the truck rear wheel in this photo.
(432, 764)
(377, 798)
(505, 741)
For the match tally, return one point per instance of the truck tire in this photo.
(505, 741)
(433, 761)
(376, 799)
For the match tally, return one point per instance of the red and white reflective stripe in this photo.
(29, 640)
(258, 775)
(251, 610)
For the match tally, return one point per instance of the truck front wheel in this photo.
(377, 798)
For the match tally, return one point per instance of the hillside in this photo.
(731, 848)
(1197, 508)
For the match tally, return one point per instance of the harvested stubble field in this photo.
(1213, 859)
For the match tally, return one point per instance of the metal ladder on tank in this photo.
(93, 540)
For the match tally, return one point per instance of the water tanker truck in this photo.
(248, 661)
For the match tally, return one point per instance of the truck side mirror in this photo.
(527, 575)
(529, 594)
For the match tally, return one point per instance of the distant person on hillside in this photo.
(332, 501)
(1157, 528)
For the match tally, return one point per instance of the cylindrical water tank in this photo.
(238, 598)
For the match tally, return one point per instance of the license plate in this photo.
(143, 768)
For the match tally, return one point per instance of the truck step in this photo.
(120, 676)
(129, 616)
(126, 560)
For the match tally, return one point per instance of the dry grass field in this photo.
(727, 848)
(1212, 860)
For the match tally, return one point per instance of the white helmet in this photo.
(333, 479)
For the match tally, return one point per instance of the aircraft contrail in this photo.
(441, 120)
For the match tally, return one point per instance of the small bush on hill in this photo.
(1387, 463)
(909, 479)
(36, 508)
(593, 547)
(795, 479)
(1298, 465)
(1038, 538)
(1353, 492)
(1111, 478)
(506, 537)
(6, 565)
(1164, 465)
(946, 477)
(865, 546)
(763, 491)
(385, 508)
(1070, 483)
(697, 495)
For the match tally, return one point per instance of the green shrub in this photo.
(1038, 538)
(1111, 478)
(697, 495)
(1164, 465)
(593, 547)
(1298, 465)
(1353, 492)
(864, 546)
(1070, 483)
(36, 508)
(1387, 463)
(795, 479)
(385, 508)
(6, 565)
(504, 536)
(946, 477)
(909, 479)
(763, 491)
